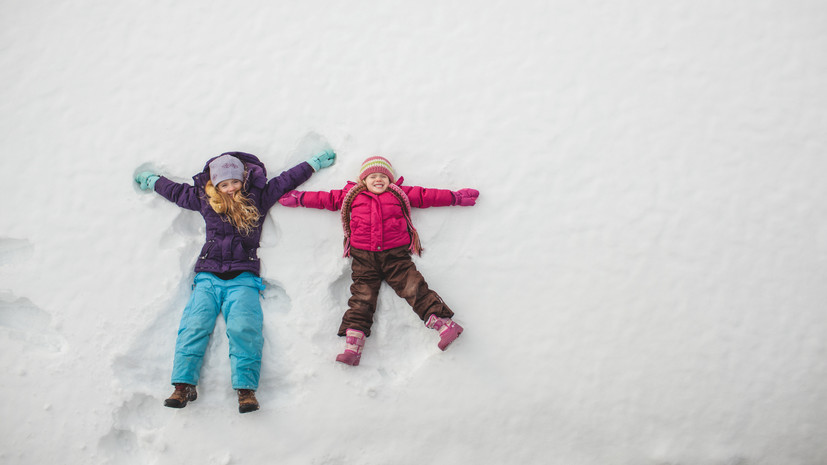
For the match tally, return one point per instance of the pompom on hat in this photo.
(226, 167)
(376, 165)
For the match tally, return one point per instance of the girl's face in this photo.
(377, 182)
(229, 187)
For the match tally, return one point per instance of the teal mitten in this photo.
(146, 180)
(322, 160)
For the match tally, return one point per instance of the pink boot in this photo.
(448, 330)
(354, 341)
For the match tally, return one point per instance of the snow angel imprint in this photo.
(233, 195)
(380, 238)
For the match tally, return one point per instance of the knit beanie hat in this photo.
(226, 167)
(376, 165)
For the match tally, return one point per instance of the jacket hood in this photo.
(256, 172)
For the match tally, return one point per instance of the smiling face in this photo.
(229, 187)
(377, 183)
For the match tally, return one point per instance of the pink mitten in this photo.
(466, 197)
(291, 199)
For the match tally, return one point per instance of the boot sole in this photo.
(174, 404)
(247, 409)
(444, 344)
(347, 360)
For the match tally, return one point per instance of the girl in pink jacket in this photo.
(380, 238)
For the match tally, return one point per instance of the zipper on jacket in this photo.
(207, 250)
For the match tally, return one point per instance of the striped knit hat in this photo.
(376, 165)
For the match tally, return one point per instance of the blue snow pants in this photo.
(238, 300)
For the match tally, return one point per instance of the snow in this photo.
(641, 281)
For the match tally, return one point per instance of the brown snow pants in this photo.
(395, 267)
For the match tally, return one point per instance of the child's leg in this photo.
(364, 293)
(242, 312)
(401, 274)
(197, 324)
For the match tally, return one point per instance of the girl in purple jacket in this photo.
(233, 195)
(380, 238)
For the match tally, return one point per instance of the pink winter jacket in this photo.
(376, 221)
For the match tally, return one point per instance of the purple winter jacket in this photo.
(225, 248)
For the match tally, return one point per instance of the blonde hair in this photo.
(235, 208)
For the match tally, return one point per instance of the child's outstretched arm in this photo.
(294, 177)
(323, 200)
(183, 195)
(422, 197)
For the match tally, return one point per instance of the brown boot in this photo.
(247, 401)
(183, 393)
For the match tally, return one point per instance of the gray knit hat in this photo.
(226, 167)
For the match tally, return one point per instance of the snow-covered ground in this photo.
(642, 281)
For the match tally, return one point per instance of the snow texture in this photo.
(642, 281)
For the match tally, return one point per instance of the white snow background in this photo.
(642, 282)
